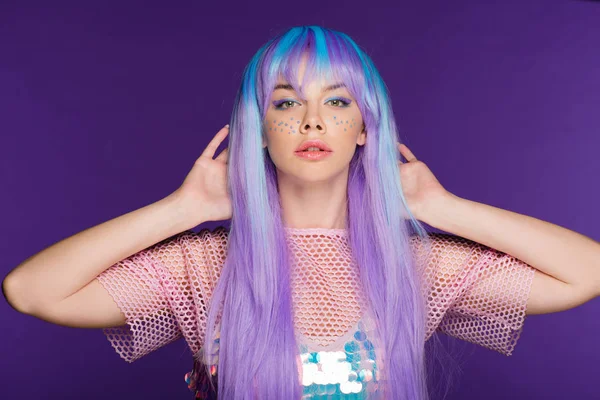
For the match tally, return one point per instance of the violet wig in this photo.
(252, 299)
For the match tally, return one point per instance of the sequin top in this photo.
(474, 293)
(347, 368)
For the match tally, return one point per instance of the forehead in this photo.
(322, 84)
(308, 78)
(300, 73)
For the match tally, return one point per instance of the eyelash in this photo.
(280, 103)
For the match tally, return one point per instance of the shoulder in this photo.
(205, 247)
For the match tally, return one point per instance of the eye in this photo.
(341, 103)
(279, 105)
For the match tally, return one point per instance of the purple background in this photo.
(104, 108)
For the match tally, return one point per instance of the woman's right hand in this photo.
(204, 191)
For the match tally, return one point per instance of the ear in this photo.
(362, 138)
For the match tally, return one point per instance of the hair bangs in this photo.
(330, 59)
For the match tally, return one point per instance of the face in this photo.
(328, 113)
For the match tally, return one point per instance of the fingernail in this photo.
(227, 126)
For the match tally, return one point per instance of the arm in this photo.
(567, 263)
(57, 284)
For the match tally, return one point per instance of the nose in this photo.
(307, 127)
(312, 122)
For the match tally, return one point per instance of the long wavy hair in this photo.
(257, 345)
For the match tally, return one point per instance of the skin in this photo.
(313, 193)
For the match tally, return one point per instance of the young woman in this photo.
(326, 284)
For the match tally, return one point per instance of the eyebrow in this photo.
(327, 89)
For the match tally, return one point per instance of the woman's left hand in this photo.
(419, 185)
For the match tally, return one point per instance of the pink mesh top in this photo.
(474, 293)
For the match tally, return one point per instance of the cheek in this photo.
(283, 126)
(345, 123)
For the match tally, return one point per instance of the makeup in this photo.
(285, 126)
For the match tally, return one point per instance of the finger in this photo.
(223, 155)
(398, 145)
(407, 153)
(211, 148)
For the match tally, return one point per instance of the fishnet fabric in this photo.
(161, 291)
(474, 293)
(325, 285)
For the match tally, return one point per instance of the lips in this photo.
(312, 149)
(313, 155)
(321, 145)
